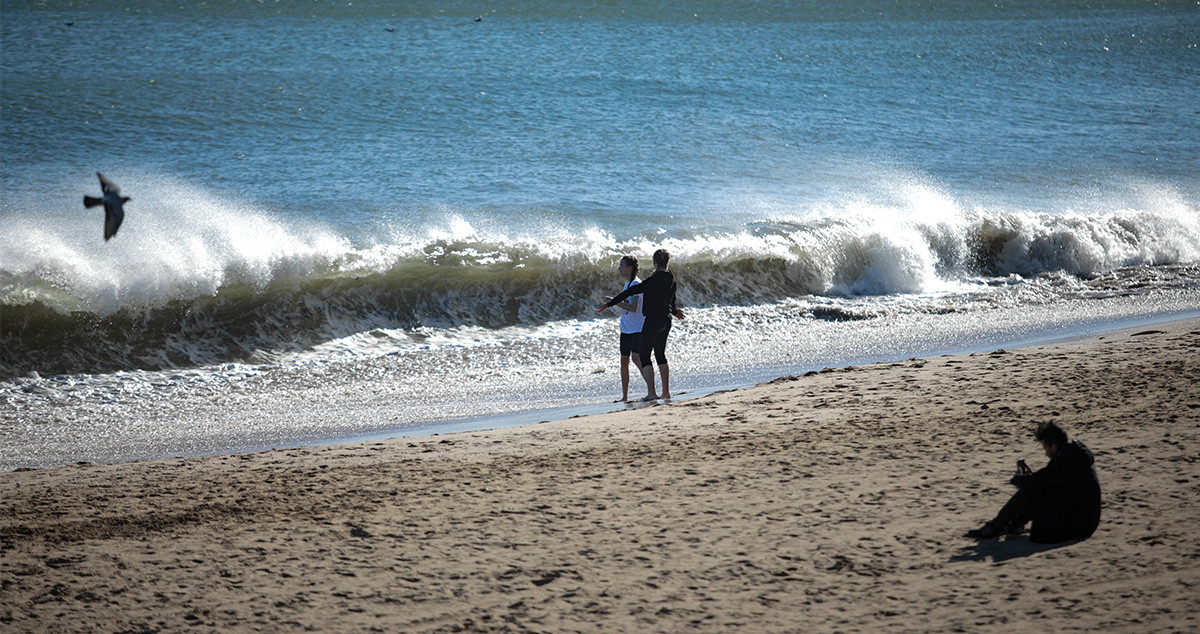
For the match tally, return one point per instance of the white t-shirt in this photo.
(632, 320)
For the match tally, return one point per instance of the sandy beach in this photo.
(835, 501)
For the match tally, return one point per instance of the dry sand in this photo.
(830, 502)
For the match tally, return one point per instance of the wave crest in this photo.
(210, 280)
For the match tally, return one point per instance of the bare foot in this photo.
(650, 397)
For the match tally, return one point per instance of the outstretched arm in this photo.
(636, 289)
(630, 305)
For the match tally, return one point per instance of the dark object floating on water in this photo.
(114, 205)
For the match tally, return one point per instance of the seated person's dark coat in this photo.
(1068, 493)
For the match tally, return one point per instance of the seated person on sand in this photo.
(1062, 498)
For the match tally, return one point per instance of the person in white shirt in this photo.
(631, 323)
(658, 308)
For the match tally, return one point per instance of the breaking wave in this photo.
(211, 280)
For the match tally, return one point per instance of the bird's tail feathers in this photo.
(92, 201)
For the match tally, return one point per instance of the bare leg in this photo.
(648, 374)
(637, 362)
(624, 379)
(665, 370)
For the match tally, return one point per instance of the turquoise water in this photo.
(325, 194)
(386, 116)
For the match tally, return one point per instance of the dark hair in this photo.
(661, 258)
(631, 262)
(1051, 433)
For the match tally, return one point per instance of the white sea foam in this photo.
(203, 279)
(181, 242)
(178, 241)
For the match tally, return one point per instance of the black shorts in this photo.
(630, 343)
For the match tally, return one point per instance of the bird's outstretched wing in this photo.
(107, 186)
(112, 220)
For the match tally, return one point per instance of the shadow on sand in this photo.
(1005, 548)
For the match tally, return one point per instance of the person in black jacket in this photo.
(1062, 499)
(658, 306)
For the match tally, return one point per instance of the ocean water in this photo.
(362, 219)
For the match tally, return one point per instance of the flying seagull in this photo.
(113, 203)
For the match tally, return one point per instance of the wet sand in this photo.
(835, 501)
